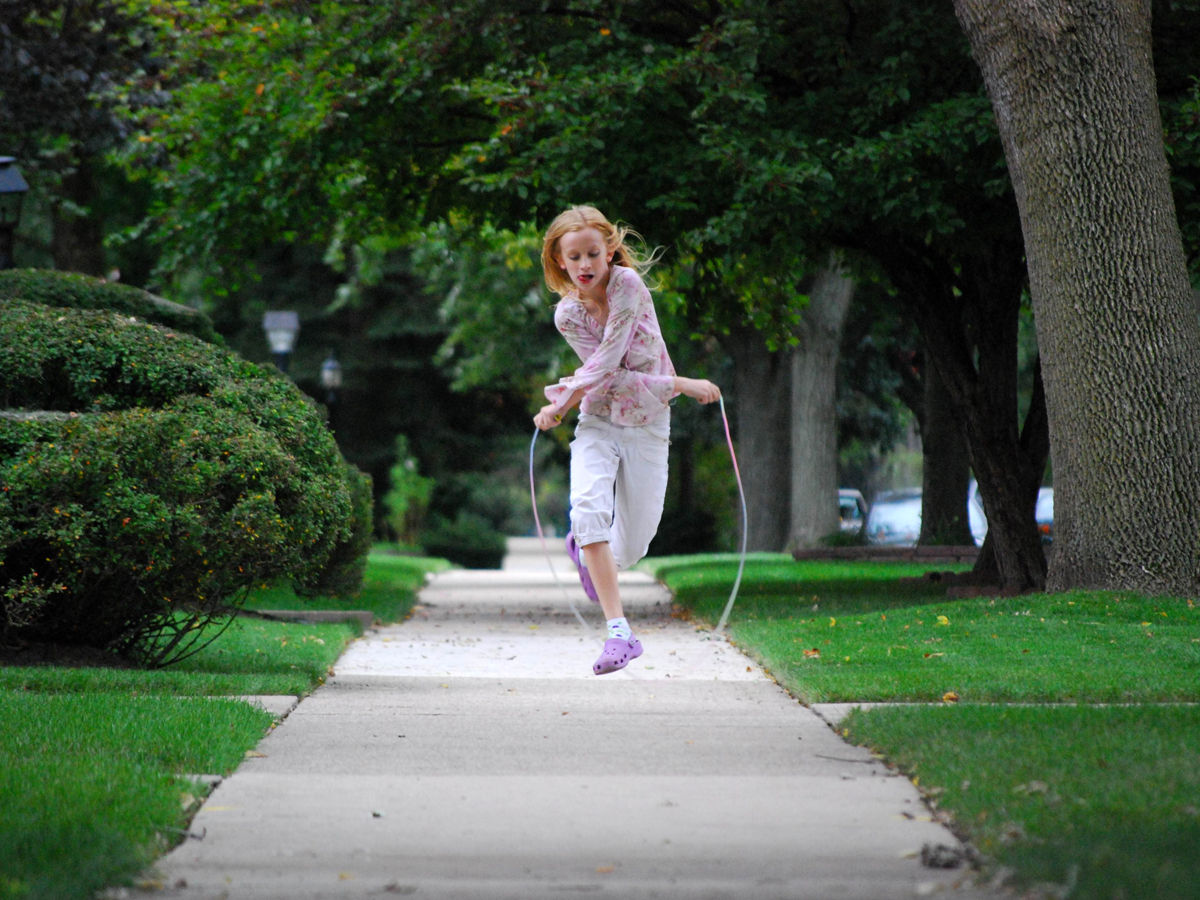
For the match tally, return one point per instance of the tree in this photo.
(60, 65)
(698, 122)
(813, 414)
(1073, 89)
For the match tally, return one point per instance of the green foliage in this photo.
(152, 480)
(72, 290)
(489, 284)
(71, 57)
(343, 573)
(408, 497)
(468, 539)
(327, 119)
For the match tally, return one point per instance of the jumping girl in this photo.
(623, 388)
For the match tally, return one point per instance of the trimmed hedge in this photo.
(50, 287)
(150, 479)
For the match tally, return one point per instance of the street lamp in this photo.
(331, 378)
(12, 193)
(281, 327)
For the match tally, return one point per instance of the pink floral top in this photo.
(626, 371)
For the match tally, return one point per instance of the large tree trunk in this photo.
(814, 506)
(1073, 89)
(761, 383)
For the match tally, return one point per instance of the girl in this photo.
(619, 455)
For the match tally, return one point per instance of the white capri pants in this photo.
(619, 484)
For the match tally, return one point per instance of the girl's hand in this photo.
(548, 416)
(698, 389)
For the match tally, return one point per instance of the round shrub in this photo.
(150, 479)
(468, 540)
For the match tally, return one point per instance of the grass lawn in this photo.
(94, 761)
(1033, 769)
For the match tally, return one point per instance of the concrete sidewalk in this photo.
(471, 753)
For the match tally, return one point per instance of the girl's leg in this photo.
(640, 489)
(602, 567)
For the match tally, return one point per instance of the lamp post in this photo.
(331, 378)
(281, 327)
(12, 193)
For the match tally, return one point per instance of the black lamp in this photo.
(12, 194)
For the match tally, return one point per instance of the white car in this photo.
(895, 518)
(1043, 514)
(852, 509)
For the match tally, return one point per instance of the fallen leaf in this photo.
(942, 620)
(950, 697)
(604, 870)
(1031, 787)
(812, 654)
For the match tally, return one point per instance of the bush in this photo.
(77, 291)
(150, 479)
(408, 496)
(468, 540)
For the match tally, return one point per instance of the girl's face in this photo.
(584, 257)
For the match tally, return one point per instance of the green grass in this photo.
(252, 657)
(1104, 798)
(89, 786)
(389, 585)
(93, 760)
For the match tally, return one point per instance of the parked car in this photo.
(1043, 514)
(895, 518)
(852, 508)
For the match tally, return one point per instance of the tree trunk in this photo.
(946, 472)
(1073, 89)
(77, 242)
(967, 315)
(761, 383)
(814, 506)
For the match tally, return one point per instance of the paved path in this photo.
(471, 753)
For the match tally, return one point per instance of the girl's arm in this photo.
(698, 389)
(551, 414)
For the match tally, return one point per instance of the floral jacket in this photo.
(626, 371)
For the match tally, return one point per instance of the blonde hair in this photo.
(625, 244)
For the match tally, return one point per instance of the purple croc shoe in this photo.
(584, 577)
(617, 654)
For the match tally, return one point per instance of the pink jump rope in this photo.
(741, 497)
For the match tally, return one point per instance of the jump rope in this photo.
(741, 557)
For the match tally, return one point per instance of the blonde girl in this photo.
(624, 387)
